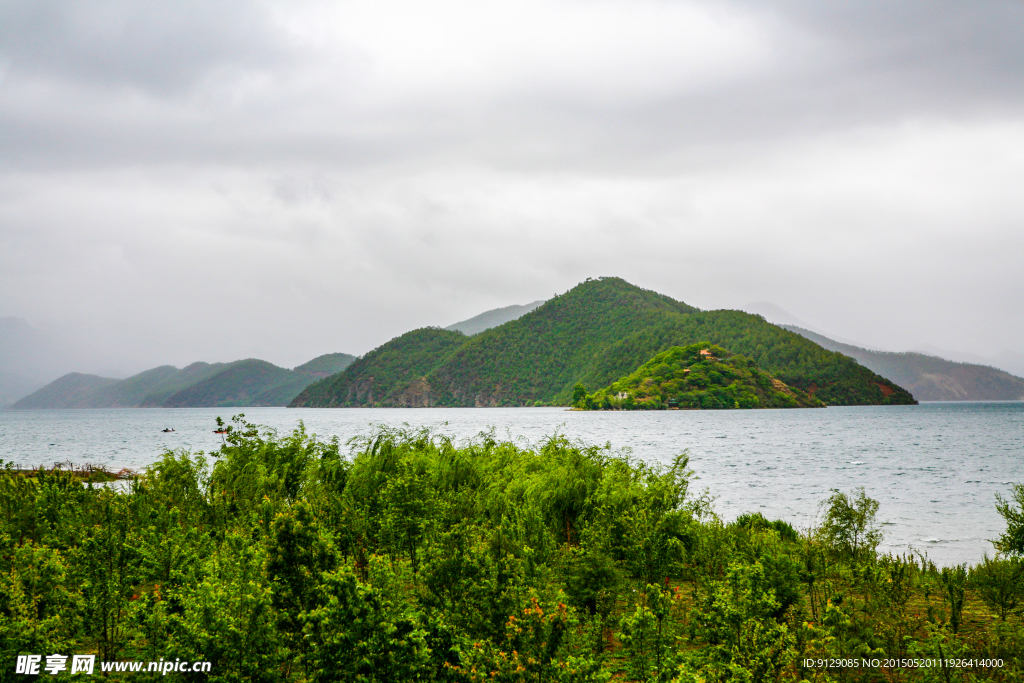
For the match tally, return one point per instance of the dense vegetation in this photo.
(250, 382)
(546, 351)
(325, 365)
(241, 383)
(832, 377)
(595, 333)
(381, 376)
(416, 559)
(930, 378)
(698, 376)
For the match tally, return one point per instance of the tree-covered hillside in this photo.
(186, 377)
(237, 385)
(138, 388)
(326, 365)
(595, 333)
(544, 352)
(301, 377)
(255, 382)
(832, 377)
(382, 376)
(698, 376)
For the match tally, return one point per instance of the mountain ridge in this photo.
(493, 318)
(384, 373)
(596, 332)
(250, 382)
(71, 390)
(929, 378)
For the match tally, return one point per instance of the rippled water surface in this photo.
(935, 468)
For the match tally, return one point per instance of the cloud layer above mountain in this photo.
(208, 181)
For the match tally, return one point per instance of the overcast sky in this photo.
(187, 181)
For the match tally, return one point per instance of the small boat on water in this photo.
(168, 430)
(220, 431)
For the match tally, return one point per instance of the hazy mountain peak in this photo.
(773, 314)
(492, 318)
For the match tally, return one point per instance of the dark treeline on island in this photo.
(594, 334)
(282, 559)
(249, 382)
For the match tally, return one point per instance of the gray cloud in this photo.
(159, 48)
(184, 181)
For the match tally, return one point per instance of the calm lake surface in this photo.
(935, 468)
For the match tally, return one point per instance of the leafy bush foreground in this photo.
(412, 558)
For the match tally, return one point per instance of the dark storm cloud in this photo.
(212, 180)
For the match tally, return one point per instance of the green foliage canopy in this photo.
(410, 557)
(698, 376)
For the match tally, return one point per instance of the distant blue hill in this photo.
(250, 382)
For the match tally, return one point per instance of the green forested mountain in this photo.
(832, 377)
(930, 378)
(387, 375)
(597, 332)
(249, 382)
(133, 391)
(177, 381)
(239, 384)
(698, 376)
(301, 377)
(542, 354)
(325, 365)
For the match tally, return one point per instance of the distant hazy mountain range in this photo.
(929, 378)
(601, 328)
(24, 352)
(250, 382)
(597, 332)
(14, 386)
(1004, 363)
(489, 319)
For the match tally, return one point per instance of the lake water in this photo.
(935, 468)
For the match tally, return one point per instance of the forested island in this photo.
(593, 334)
(695, 377)
(285, 558)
